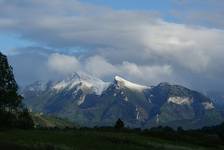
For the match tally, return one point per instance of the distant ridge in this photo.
(90, 101)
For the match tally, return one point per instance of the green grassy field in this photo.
(94, 140)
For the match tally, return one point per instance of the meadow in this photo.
(106, 139)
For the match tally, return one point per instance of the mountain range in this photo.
(89, 101)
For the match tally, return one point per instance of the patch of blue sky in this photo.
(161, 5)
(9, 42)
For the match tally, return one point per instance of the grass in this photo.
(92, 140)
(50, 121)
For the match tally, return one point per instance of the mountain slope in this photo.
(89, 101)
(178, 106)
(43, 121)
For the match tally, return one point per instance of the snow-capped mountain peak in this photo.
(82, 81)
(121, 82)
(81, 95)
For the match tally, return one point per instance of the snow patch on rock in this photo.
(180, 100)
(126, 98)
(138, 113)
(124, 83)
(60, 85)
(208, 105)
(81, 100)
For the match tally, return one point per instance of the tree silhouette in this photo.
(12, 111)
(119, 124)
(180, 129)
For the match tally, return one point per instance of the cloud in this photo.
(63, 64)
(137, 44)
(100, 67)
(150, 74)
(205, 13)
(29, 65)
(184, 45)
(145, 74)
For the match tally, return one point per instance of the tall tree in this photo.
(12, 111)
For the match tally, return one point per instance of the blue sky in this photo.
(146, 41)
(10, 41)
(158, 5)
(161, 7)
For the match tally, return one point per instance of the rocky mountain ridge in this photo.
(89, 101)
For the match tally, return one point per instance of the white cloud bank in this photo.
(63, 64)
(135, 44)
(100, 67)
